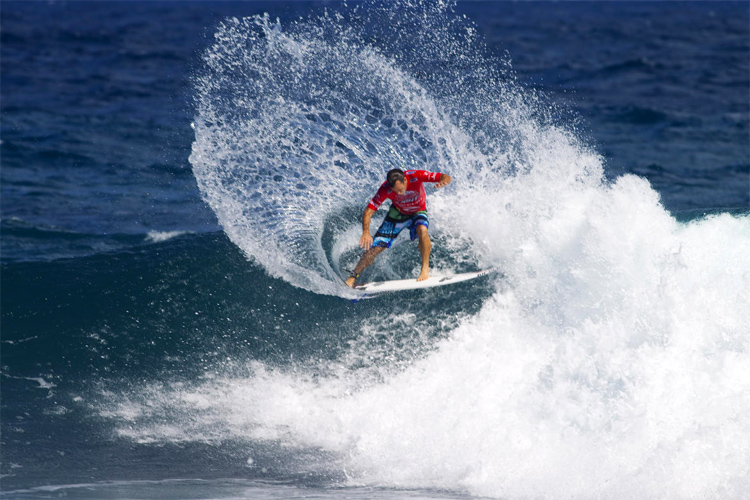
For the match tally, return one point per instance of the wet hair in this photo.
(394, 176)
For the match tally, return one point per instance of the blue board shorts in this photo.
(394, 223)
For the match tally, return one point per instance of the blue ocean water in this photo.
(182, 185)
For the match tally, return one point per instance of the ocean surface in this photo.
(182, 187)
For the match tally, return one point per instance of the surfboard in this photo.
(412, 284)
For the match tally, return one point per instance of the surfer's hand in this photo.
(365, 241)
(445, 179)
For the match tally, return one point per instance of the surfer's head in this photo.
(397, 180)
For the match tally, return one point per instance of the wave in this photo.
(613, 364)
(608, 360)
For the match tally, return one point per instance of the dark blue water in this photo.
(154, 330)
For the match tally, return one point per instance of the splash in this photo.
(296, 127)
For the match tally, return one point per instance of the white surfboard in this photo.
(413, 284)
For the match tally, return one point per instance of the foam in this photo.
(161, 236)
(619, 372)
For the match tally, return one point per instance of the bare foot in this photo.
(424, 275)
(350, 281)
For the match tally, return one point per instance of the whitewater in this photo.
(610, 357)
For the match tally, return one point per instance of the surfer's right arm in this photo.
(366, 240)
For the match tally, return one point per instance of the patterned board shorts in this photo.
(395, 222)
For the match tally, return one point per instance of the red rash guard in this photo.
(414, 199)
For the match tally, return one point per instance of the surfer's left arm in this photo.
(445, 179)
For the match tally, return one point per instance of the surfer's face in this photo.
(399, 187)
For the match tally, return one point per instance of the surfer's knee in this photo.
(369, 256)
(423, 235)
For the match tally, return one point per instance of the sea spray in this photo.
(292, 132)
(297, 124)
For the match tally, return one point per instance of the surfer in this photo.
(408, 210)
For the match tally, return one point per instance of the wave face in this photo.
(609, 361)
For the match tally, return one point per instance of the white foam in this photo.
(618, 368)
(161, 236)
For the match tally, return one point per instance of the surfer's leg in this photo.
(367, 258)
(388, 231)
(425, 246)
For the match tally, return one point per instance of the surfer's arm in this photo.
(445, 179)
(366, 240)
(439, 178)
